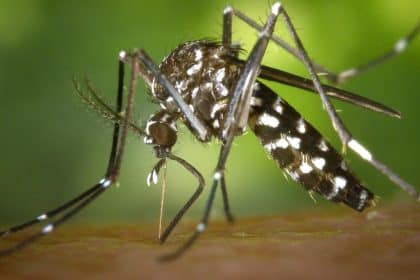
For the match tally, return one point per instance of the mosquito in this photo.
(205, 85)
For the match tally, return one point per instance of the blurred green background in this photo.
(52, 147)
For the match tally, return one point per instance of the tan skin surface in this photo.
(381, 243)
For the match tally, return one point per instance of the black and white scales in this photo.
(205, 73)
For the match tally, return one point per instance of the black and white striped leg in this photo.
(345, 136)
(392, 176)
(201, 226)
(228, 14)
(399, 47)
(99, 189)
(239, 105)
(293, 80)
(226, 205)
(227, 26)
(72, 207)
(192, 199)
(52, 213)
(238, 109)
(337, 78)
(227, 41)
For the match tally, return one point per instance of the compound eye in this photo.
(162, 134)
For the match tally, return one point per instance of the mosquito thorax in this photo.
(204, 73)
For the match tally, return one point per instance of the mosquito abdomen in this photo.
(299, 149)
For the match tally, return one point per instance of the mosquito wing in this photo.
(276, 75)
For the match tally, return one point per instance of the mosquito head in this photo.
(161, 131)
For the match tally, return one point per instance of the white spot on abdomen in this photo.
(305, 168)
(278, 108)
(339, 182)
(294, 142)
(280, 143)
(268, 120)
(301, 127)
(323, 146)
(319, 162)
